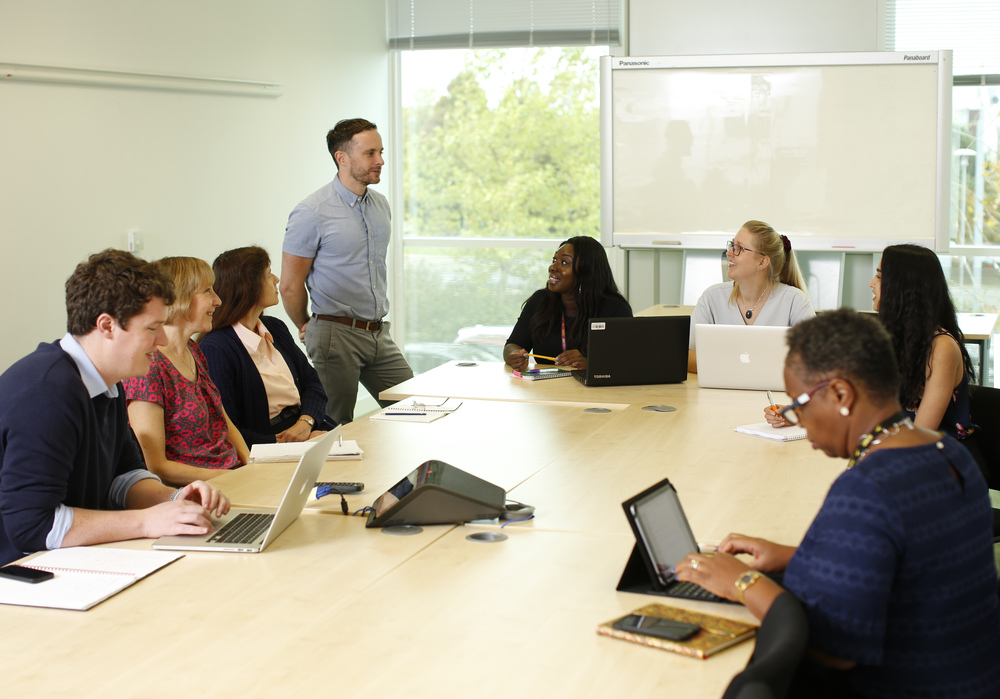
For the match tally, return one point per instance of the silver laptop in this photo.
(741, 356)
(251, 530)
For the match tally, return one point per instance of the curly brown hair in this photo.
(114, 282)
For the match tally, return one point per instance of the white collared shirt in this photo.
(274, 371)
(94, 383)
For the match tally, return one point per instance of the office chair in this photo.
(984, 406)
(781, 642)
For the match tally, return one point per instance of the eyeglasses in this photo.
(788, 412)
(738, 249)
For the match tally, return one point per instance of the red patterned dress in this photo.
(193, 419)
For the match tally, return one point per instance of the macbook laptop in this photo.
(741, 356)
(636, 351)
(663, 539)
(252, 530)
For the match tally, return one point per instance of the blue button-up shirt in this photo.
(347, 237)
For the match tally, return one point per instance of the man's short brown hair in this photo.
(339, 137)
(114, 282)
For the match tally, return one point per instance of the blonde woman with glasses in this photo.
(766, 288)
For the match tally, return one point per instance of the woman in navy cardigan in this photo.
(269, 389)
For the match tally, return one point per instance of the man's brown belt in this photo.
(369, 325)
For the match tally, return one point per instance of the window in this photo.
(969, 28)
(501, 163)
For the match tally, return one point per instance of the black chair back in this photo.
(781, 642)
(984, 405)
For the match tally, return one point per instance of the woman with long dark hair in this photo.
(554, 320)
(911, 296)
(269, 388)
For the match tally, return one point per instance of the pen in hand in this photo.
(774, 406)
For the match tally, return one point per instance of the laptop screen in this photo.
(664, 530)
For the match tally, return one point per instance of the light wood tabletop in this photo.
(727, 481)
(463, 619)
(502, 442)
(494, 381)
(332, 606)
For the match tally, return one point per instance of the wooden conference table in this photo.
(334, 608)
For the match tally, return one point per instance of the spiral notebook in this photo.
(781, 434)
(84, 576)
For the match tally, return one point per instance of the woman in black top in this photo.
(554, 320)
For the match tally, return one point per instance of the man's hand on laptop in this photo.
(175, 517)
(209, 497)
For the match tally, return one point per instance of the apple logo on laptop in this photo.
(745, 357)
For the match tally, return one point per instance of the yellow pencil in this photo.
(541, 356)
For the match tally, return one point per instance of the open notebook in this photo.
(84, 576)
(346, 450)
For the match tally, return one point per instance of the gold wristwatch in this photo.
(744, 582)
(309, 419)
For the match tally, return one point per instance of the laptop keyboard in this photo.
(244, 528)
(689, 590)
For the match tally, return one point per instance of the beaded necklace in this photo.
(878, 433)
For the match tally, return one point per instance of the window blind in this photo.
(970, 28)
(443, 24)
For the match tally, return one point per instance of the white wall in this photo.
(196, 173)
(682, 27)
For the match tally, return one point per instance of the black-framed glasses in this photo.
(788, 412)
(738, 249)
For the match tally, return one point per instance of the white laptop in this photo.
(741, 356)
(251, 530)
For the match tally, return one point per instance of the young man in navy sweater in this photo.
(71, 472)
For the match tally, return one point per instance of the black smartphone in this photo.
(28, 575)
(655, 626)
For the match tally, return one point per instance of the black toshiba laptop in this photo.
(636, 351)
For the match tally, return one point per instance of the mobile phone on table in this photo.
(23, 574)
(657, 627)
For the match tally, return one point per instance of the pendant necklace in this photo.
(181, 361)
(879, 432)
(749, 313)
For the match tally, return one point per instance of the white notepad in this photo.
(293, 451)
(395, 414)
(84, 576)
(782, 434)
(423, 404)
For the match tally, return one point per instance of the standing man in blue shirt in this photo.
(336, 243)
(71, 472)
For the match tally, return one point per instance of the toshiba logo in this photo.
(602, 376)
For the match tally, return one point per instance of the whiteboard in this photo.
(843, 151)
